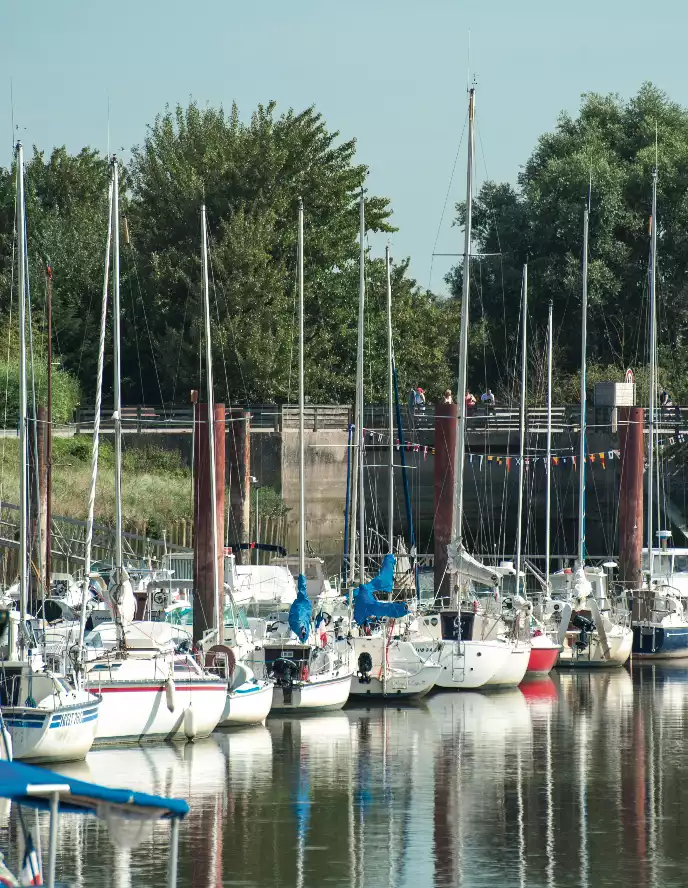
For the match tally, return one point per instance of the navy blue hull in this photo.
(657, 643)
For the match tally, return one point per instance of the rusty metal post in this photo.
(632, 458)
(204, 594)
(445, 447)
(240, 478)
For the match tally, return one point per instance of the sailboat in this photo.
(149, 690)
(468, 659)
(46, 718)
(388, 665)
(590, 633)
(660, 611)
(248, 699)
(544, 646)
(310, 671)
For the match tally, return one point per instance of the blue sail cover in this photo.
(366, 605)
(300, 612)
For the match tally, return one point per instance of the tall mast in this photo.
(390, 400)
(653, 382)
(49, 435)
(522, 428)
(359, 392)
(548, 497)
(583, 401)
(117, 415)
(96, 421)
(210, 397)
(24, 468)
(302, 443)
(457, 514)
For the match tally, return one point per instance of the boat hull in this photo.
(64, 734)
(593, 657)
(137, 711)
(542, 658)
(660, 642)
(397, 683)
(465, 665)
(512, 671)
(247, 705)
(312, 695)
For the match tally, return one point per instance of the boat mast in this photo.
(47, 542)
(390, 401)
(117, 415)
(360, 392)
(522, 428)
(457, 514)
(96, 425)
(653, 382)
(302, 443)
(210, 397)
(24, 468)
(583, 401)
(548, 497)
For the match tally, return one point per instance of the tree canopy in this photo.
(250, 175)
(610, 148)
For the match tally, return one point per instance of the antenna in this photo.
(468, 73)
(12, 109)
(108, 124)
(656, 147)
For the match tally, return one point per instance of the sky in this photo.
(391, 73)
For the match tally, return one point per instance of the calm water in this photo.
(581, 780)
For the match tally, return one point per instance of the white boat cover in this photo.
(467, 566)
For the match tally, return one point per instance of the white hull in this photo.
(313, 695)
(136, 711)
(620, 645)
(397, 683)
(512, 671)
(63, 734)
(465, 665)
(406, 673)
(247, 705)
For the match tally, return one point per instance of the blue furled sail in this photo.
(300, 612)
(366, 605)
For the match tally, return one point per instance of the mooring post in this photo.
(204, 593)
(445, 447)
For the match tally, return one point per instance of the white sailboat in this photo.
(308, 674)
(467, 660)
(150, 692)
(387, 665)
(46, 718)
(248, 700)
(590, 633)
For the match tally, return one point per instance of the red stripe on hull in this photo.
(542, 660)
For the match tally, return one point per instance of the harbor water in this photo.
(576, 780)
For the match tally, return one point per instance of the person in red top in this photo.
(470, 403)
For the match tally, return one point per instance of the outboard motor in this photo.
(365, 667)
(586, 627)
(284, 672)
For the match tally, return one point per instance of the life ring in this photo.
(457, 622)
(327, 618)
(160, 597)
(218, 655)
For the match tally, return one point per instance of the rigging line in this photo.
(446, 199)
(181, 343)
(217, 314)
(136, 338)
(145, 317)
(9, 347)
(230, 322)
(496, 228)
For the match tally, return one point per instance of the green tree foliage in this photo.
(611, 143)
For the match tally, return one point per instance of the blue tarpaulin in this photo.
(24, 784)
(366, 605)
(300, 611)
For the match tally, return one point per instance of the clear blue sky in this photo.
(392, 73)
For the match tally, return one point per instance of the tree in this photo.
(611, 144)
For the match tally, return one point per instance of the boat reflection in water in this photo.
(576, 780)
